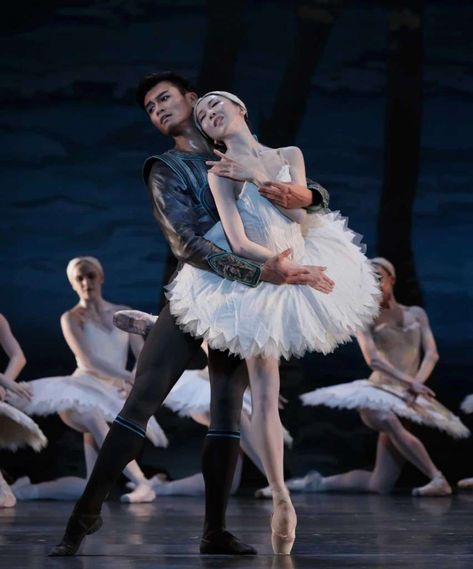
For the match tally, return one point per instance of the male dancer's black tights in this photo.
(164, 357)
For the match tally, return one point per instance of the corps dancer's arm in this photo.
(75, 338)
(136, 343)
(224, 196)
(175, 212)
(16, 358)
(429, 347)
(16, 362)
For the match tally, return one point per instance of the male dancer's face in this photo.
(168, 109)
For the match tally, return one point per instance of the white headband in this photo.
(224, 94)
(74, 263)
(382, 262)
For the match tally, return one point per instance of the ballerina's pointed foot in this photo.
(438, 486)
(78, 526)
(134, 321)
(142, 494)
(283, 524)
(222, 542)
(465, 484)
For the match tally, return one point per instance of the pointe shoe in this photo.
(78, 526)
(222, 542)
(283, 525)
(311, 482)
(438, 486)
(134, 321)
(142, 494)
(465, 484)
(7, 498)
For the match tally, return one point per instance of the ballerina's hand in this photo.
(287, 194)
(418, 388)
(227, 167)
(20, 389)
(3, 393)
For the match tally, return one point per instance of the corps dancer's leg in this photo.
(380, 480)
(268, 435)
(411, 448)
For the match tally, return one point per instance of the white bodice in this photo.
(263, 222)
(110, 345)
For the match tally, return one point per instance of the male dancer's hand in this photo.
(287, 194)
(280, 270)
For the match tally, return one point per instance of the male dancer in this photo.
(184, 207)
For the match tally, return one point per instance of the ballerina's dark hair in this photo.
(148, 82)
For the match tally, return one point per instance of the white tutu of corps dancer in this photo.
(400, 346)
(83, 391)
(17, 430)
(191, 394)
(287, 320)
(467, 405)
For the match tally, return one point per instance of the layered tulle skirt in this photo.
(17, 430)
(287, 320)
(365, 394)
(81, 392)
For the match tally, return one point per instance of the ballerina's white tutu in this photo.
(82, 391)
(402, 347)
(286, 320)
(17, 430)
(191, 394)
(467, 404)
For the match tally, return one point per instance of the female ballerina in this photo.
(16, 428)
(261, 324)
(93, 395)
(392, 347)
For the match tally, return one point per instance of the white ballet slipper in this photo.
(465, 484)
(264, 493)
(438, 486)
(143, 493)
(311, 482)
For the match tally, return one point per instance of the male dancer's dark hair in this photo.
(148, 82)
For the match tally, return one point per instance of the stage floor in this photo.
(335, 531)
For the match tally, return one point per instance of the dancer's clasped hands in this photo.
(21, 389)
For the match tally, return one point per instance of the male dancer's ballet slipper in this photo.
(283, 524)
(222, 542)
(465, 484)
(78, 526)
(438, 486)
(134, 321)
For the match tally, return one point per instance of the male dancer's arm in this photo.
(175, 212)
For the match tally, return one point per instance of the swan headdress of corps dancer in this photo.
(387, 265)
